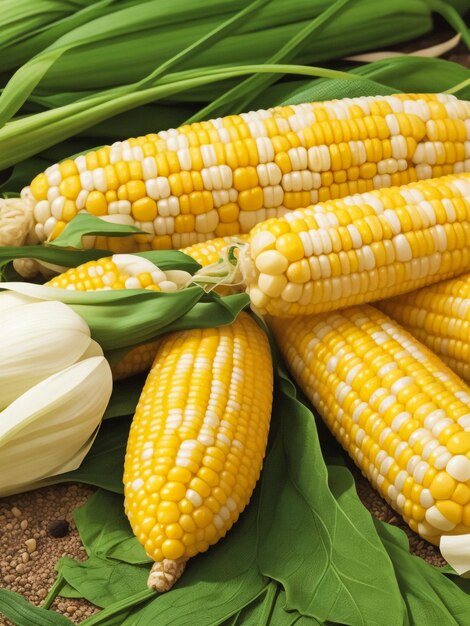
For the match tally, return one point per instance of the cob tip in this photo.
(165, 574)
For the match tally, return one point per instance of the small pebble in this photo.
(24, 524)
(25, 557)
(20, 568)
(16, 512)
(31, 545)
(71, 609)
(58, 528)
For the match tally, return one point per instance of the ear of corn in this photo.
(197, 441)
(439, 316)
(362, 248)
(132, 272)
(221, 177)
(401, 414)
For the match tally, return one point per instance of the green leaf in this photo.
(101, 581)
(430, 597)
(125, 395)
(86, 224)
(105, 531)
(319, 540)
(103, 465)
(18, 610)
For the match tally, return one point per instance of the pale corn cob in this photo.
(359, 249)
(197, 442)
(223, 176)
(400, 413)
(439, 316)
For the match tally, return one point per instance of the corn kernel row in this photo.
(439, 316)
(361, 248)
(401, 414)
(221, 177)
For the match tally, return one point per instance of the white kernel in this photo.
(193, 497)
(459, 468)
(137, 484)
(425, 498)
(86, 180)
(435, 518)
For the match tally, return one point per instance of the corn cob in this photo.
(197, 442)
(223, 176)
(358, 249)
(400, 413)
(127, 271)
(439, 316)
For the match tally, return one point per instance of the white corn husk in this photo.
(37, 340)
(55, 385)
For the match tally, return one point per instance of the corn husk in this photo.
(50, 428)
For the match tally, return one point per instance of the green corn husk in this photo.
(412, 74)
(90, 62)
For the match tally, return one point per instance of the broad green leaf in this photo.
(318, 542)
(18, 610)
(101, 581)
(269, 608)
(215, 585)
(430, 597)
(105, 531)
(103, 465)
(126, 394)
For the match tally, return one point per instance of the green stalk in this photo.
(54, 591)
(22, 138)
(253, 85)
(459, 86)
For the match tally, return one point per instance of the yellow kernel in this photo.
(461, 494)
(172, 549)
(185, 223)
(251, 199)
(144, 209)
(187, 523)
(92, 160)
(69, 210)
(68, 168)
(173, 531)
(70, 187)
(228, 212)
(443, 486)
(299, 271)
(290, 245)
(135, 190)
(173, 491)
(168, 512)
(208, 476)
(459, 443)
(186, 506)
(58, 228)
(450, 510)
(245, 178)
(179, 475)
(39, 187)
(203, 516)
(96, 203)
(200, 486)
(189, 539)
